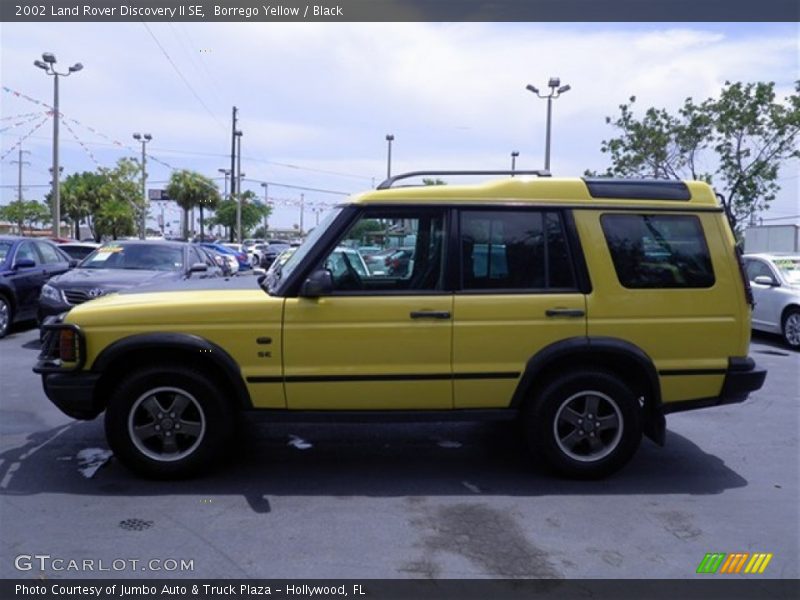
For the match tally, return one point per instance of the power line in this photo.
(178, 71)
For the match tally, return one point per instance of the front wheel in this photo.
(168, 423)
(791, 328)
(586, 424)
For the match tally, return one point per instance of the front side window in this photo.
(757, 268)
(514, 250)
(390, 250)
(658, 251)
(26, 250)
(49, 254)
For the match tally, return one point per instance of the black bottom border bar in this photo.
(710, 587)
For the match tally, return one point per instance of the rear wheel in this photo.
(168, 423)
(6, 316)
(585, 424)
(791, 328)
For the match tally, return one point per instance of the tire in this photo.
(790, 328)
(557, 418)
(168, 423)
(6, 316)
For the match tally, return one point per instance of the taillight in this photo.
(68, 345)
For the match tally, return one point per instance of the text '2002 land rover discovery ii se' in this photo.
(588, 308)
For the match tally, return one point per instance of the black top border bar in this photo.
(400, 10)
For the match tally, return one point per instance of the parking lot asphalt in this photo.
(400, 500)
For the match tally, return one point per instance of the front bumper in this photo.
(742, 377)
(73, 393)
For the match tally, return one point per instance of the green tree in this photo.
(81, 196)
(252, 214)
(743, 136)
(120, 202)
(191, 189)
(25, 213)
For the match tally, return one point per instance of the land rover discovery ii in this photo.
(586, 308)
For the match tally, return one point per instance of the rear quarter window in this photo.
(658, 251)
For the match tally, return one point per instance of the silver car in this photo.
(775, 280)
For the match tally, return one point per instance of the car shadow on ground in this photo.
(773, 343)
(375, 460)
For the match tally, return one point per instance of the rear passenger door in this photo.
(517, 292)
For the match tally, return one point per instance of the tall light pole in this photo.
(238, 178)
(302, 206)
(514, 155)
(226, 173)
(47, 64)
(389, 140)
(266, 207)
(556, 89)
(144, 139)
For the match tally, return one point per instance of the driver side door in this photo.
(375, 341)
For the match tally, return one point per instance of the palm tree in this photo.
(190, 189)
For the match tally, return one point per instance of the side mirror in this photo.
(319, 283)
(73, 262)
(24, 263)
(765, 280)
(198, 268)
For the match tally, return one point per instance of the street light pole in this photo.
(225, 172)
(389, 140)
(302, 206)
(47, 65)
(514, 155)
(144, 139)
(556, 90)
(266, 208)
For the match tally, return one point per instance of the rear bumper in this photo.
(742, 377)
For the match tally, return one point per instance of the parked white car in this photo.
(775, 281)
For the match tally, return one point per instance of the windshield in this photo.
(5, 248)
(149, 257)
(790, 269)
(300, 253)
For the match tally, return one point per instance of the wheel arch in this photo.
(622, 358)
(148, 349)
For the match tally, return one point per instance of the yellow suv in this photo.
(587, 308)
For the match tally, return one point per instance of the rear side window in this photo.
(658, 251)
(514, 250)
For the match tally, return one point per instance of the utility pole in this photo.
(233, 152)
(20, 162)
(238, 178)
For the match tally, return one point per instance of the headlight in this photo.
(51, 293)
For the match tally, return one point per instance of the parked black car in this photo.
(271, 253)
(25, 265)
(122, 265)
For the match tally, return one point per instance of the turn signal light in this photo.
(68, 345)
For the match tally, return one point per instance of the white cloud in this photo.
(324, 95)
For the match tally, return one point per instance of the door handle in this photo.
(430, 314)
(564, 312)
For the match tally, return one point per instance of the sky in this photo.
(316, 100)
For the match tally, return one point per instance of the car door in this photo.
(375, 341)
(28, 281)
(518, 293)
(54, 261)
(766, 313)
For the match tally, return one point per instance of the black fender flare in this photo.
(606, 347)
(178, 341)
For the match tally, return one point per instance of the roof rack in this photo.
(387, 183)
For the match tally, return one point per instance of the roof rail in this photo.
(387, 183)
